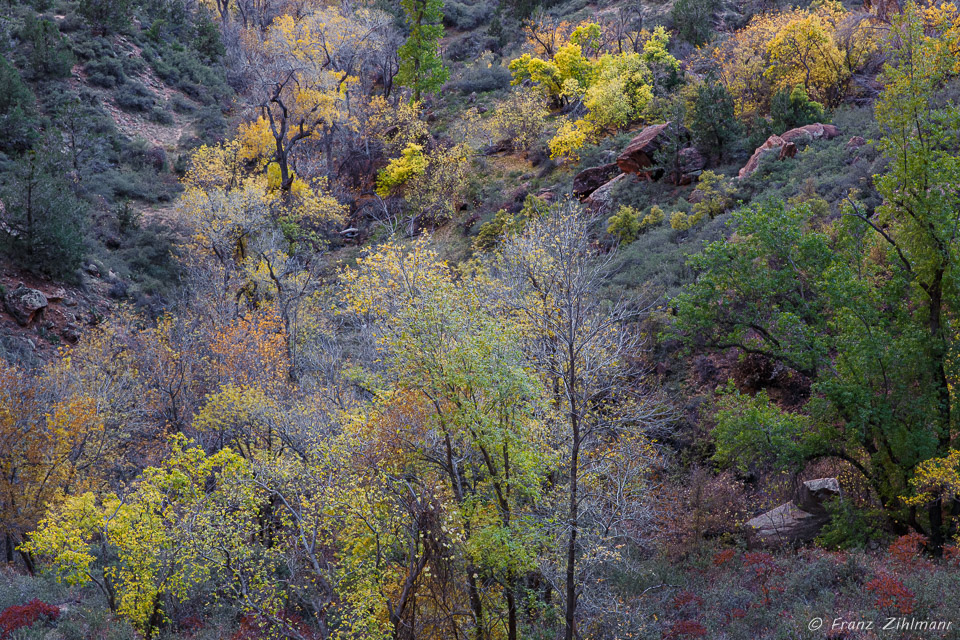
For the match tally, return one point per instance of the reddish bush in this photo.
(686, 629)
(765, 569)
(907, 549)
(721, 558)
(25, 615)
(891, 593)
(951, 554)
(254, 627)
(687, 599)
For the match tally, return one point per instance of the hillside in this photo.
(479, 319)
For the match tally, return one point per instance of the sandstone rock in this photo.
(589, 180)
(799, 520)
(772, 143)
(71, 333)
(786, 144)
(602, 197)
(639, 154)
(25, 304)
(692, 164)
(856, 142)
(810, 133)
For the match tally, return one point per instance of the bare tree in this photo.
(582, 346)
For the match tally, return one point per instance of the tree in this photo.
(713, 119)
(693, 20)
(421, 66)
(106, 16)
(50, 55)
(794, 108)
(16, 106)
(861, 308)
(578, 344)
(42, 222)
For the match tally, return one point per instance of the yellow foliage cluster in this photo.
(818, 48)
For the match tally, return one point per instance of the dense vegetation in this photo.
(478, 320)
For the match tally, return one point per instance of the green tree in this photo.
(863, 307)
(50, 55)
(43, 221)
(794, 108)
(106, 16)
(693, 20)
(421, 67)
(16, 103)
(713, 120)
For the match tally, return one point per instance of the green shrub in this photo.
(624, 225)
(134, 96)
(105, 72)
(791, 109)
(50, 56)
(16, 106)
(44, 221)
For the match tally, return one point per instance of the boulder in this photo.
(25, 304)
(639, 154)
(773, 143)
(589, 180)
(811, 132)
(799, 520)
(692, 164)
(786, 144)
(602, 197)
(855, 142)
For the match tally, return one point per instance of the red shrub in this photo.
(25, 615)
(721, 558)
(254, 627)
(687, 598)
(765, 569)
(906, 549)
(951, 554)
(891, 593)
(686, 629)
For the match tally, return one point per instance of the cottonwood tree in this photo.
(421, 65)
(581, 345)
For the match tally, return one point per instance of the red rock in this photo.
(639, 154)
(786, 144)
(589, 180)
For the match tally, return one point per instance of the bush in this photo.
(693, 20)
(18, 617)
(134, 96)
(50, 57)
(161, 116)
(466, 16)
(624, 225)
(791, 109)
(105, 72)
(484, 75)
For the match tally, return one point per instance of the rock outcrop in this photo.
(692, 164)
(785, 145)
(799, 520)
(601, 197)
(25, 304)
(589, 180)
(639, 154)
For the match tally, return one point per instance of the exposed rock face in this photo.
(602, 196)
(856, 142)
(810, 133)
(25, 305)
(785, 144)
(589, 180)
(639, 154)
(798, 520)
(692, 164)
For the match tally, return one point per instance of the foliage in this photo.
(794, 108)
(421, 66)
(106, 16)
(43, 220)
(713, 120)
(693, 20)
(625, 225)
(519, 120)
(26, 615)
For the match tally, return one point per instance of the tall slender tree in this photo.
(421, 65)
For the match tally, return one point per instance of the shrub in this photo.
(26, 615)
(50, 57)
(624, 225)
(466, 16)
(891, 593)
(791, 109)
(693, 19)
(134, 96)
(161, 116)
(484, 75)
(16, 103)
(106, 16)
